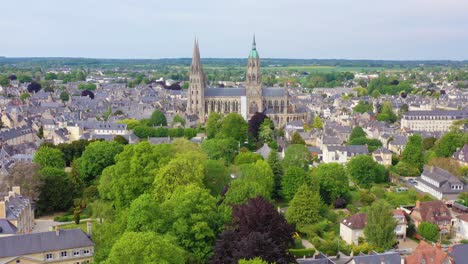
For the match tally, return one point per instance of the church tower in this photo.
(196, 98)
(253, 81)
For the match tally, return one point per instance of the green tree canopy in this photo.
(304, 208)
(429, 231)
(365, 171)
(387, 114)
(145, 247)
(213, 124)
(297, 155)
(357, 132)
(96, 157)
(49, 157)
(317, 123)
(56, 192)
(380, 226)
(182, 170)
(414, 153)
(277, 169)
(225, 149)
(158, 118)
(292, 180)
(448, 143)
(297, 139)
(234, 126)
(334, 182)
(363, 107)
(247, 157)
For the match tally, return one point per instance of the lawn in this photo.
(81, 225)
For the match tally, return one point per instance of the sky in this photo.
(308, 29)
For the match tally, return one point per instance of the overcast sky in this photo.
(326, 29)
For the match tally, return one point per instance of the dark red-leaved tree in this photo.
(258, 230)
(34, 87)
(87, 93)
(255, 122)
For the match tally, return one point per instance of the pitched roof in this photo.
(459, 253)
(387, 258)
(356, 221)
(7, 228)
(426, 253)
(433, 211)
(43, 242)
(235, 92)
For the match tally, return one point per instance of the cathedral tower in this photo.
(197, 86)
(253, 81)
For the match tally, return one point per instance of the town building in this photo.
(352, 228)
(461, 155)
(254, 97)
(435, 212)
(17, 210)
(459, 253)
(402, 224)
(343, 154)
(383, 156)
(374, 258)
(436, 120)
(426, 253)
(60, 246)
(440, 183)
(461, 226)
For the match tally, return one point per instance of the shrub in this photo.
(304, 252)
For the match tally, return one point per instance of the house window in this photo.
(86, 252)
(18, 261)
(63, 254)
(49, 256)
(76, 253)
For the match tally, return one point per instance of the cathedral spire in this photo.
(254, 45)
(196, 61)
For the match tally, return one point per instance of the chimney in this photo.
(2, 210)
(57, 230)
(17, 190)
(89, 228)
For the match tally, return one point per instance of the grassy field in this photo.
(81, 225)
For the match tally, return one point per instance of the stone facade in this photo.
(245, 100)
(437, 120)
(18, 211)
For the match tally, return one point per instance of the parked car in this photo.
(412, 181)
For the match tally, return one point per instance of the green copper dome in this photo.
(253, 54)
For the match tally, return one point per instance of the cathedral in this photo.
(246, 100)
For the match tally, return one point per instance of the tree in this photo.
(49, 157)
(405, 169)
(182, 170)
(363, 107)
(448, 143)
(253, 180)
(356, 133)
(56, 192)
(257, 230)
(365, 171)
(277, 170)
(96, 157)
(317, 123)
(225, 149)
(234, 126)
(145, 247)
(25, 96)
(247, 157)
(192, 216)
(429, 231)
(297, 139)
(414, 153)
(213, 125)
(178, 119)
(87, 86)
(387, 113)
(380, 226)
(216, 176)
(292, 180)
(121, 140)
(255, 123)
(429, 142)
(266, 133)
(25, 175)
(297, 155)
(133, 172)
(334, 182)
(34, 87)
(40, 132)
(158, 118)
(304, 208)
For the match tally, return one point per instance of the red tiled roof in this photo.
(428, 253)
(356, 221)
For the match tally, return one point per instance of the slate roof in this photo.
(462, 154)
(444, 178)
(459, 114)
(375, 258)
(7, 228)
(459, 253)
(225, 92)
(43, 242)
(273, 92)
